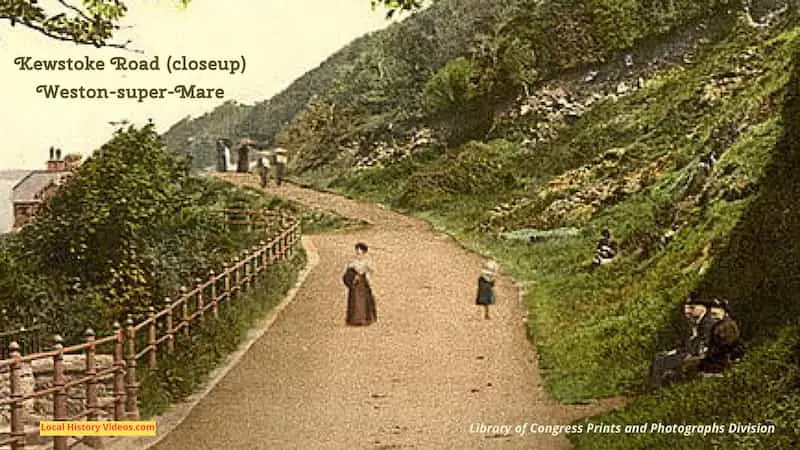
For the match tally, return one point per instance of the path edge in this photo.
(178, 413)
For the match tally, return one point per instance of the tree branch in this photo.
(68, 38)
(76, 9)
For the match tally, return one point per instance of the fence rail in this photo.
(133, 342)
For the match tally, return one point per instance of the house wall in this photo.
(24, 213)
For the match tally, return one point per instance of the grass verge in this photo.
(196, 355)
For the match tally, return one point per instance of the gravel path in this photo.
(429, 370)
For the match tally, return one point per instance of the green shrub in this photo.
(474, 169)
(128, 229)
(180, 374)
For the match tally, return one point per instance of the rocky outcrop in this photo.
(384, 153)
(540, 115)
(573, 197)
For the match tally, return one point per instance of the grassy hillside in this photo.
(630, 162)
(397, 60)
(559, 118)
(364, 98)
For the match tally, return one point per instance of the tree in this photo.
(97, 227)
(316, 132)
(456, 98)
(507, 62)
(92, 22)
(394, 6)
(452, 87)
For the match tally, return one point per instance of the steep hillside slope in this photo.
(355, 106)
(377, 78)
(631, 161)
(758, 266)
(672, 123)
(406, 85)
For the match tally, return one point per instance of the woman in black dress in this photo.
(360, 300)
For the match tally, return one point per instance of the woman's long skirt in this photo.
(361, 303)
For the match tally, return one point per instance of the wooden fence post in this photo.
(169, 325)
(214, 305)
(17, 426)
(227, 272)
(235, 281)
(251, 264)
(132, 403)
(254, 261)
(291, 241)
(152, 357)
(263, 258)
(246, 281)
(254, 264)
(200, 301)
(91, 386)
(184, 311)
(60, 395)
(119, 375)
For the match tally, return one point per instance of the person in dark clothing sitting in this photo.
(683, 362)
(726, 345)
(606, 249)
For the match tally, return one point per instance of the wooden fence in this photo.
(144, 341)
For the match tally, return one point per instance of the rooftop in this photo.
(28, 188)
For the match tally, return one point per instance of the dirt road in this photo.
(425, 376)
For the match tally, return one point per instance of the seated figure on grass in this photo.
(606, 249)
(684, 362)
(726, 346)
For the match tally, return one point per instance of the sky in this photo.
(279, 40)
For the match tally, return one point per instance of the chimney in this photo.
(55, 164)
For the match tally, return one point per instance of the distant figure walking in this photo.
(361, 309)
(280, 164)
(226, 153)
(263, 170)
(485, 295)
(223, 156)
(243, 162)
